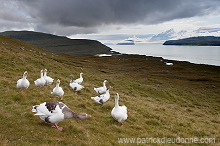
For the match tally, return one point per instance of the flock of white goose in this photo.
(54, 112)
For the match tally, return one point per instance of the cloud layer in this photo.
(88, 16)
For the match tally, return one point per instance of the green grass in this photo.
(162, 101)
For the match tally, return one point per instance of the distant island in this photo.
(196, 41)
(126, 42)
(60, 44)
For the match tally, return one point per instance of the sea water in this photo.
(195, 54)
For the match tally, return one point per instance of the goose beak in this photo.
(88, 116)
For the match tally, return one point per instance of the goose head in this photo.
(25, 74)
(58, 81)
(117, 96)
(83, 116)
(109, 87)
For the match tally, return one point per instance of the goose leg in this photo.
(25, 90)
(57, 127)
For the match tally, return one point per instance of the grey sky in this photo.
(69, 17)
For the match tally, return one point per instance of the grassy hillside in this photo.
(59, 44)
(163, 101)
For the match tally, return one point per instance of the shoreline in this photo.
(170, 60)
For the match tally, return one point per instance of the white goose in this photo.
(41, 81)
(54, 112)
(23, 83)
(119, 113)
(48, 79)
(102, 98)
(80, 79)
(75, 86)
(101, 90)
(58, 91)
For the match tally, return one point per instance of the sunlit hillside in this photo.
(163, 101)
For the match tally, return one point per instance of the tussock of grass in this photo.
(162, 101)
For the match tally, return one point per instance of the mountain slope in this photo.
(196, 41)
(59, 44)
(163, 101)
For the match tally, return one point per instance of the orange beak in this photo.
(88, 116)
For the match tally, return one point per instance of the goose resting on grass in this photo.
(48, 79)
(75, 86)
(54, 112)
(102, 98)
(23, 83)
(101, 90)
(119, 113)
(41, 81)
(58, 91)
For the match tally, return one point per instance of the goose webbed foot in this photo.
(57, 127)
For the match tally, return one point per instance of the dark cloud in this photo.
(85, 16)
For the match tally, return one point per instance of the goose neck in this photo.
(57, 85)
(116, 102)
(71, 114)
(41, 74)
(24, 76)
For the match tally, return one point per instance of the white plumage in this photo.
(102, 90)
(41, 81)
(75, 86)
(23, 83)
(119, 113)
(80, 79)
(54, 112)
(102, 98)
(58, 91)
(48, 79)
